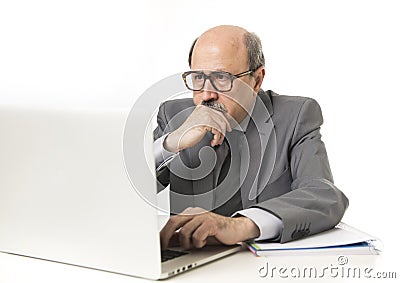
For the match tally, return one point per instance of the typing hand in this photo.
(196, 227)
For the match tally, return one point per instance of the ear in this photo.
(259, 75)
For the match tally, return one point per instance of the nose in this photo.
(208, 92)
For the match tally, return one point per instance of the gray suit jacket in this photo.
(292, 178)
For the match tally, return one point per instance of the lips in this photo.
(214, 105)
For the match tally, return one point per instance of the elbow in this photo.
(342, 204)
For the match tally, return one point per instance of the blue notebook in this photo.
(343, 239)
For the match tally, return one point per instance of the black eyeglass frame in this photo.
(208, 77)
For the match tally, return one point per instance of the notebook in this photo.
(343, 239)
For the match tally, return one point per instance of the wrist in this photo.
(170, 143)
(249, 229)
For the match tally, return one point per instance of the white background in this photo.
(345, 54)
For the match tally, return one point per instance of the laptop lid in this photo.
(65, 195)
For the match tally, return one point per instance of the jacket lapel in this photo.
(260, 138)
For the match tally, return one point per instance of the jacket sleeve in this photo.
(163, 173)
(314, 203)
(161, 123)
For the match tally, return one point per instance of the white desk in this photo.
(240, 267)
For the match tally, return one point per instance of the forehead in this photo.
(223, 53)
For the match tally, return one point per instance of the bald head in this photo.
(234, 36)
(220, 48)
(230, 36)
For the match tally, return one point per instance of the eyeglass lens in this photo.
(219, 80)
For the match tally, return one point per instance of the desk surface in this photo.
(240, 267)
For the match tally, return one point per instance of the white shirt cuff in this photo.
(161, 155)
(270, 226)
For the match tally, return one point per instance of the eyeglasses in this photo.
(221, 81)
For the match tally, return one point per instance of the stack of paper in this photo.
(343, 240)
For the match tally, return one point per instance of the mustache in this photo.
(214, 105)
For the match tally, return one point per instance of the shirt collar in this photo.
(242, 126)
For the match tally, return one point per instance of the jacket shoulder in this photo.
(290, 99)
(293, 105)
(177, 103)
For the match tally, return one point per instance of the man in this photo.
(280, 189)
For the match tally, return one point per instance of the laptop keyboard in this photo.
(170, 254)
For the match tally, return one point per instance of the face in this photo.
(216, 53)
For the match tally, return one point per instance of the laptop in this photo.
(68, 193)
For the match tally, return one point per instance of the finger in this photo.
(221, 125)
(186, 232)
(202, 233)
(228, 124)
(225, 121)
(199, 237)
(174, 223)
(174, 240)
(217, 137)
(220, 118)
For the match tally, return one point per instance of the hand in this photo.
(196, 227)
(202, 120)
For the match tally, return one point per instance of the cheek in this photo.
(230, 105)
(196, 98)
(244, 98)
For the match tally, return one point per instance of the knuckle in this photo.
(188, 208)
(172, 221)
(184, 232)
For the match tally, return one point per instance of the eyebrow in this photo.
(211, 70)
